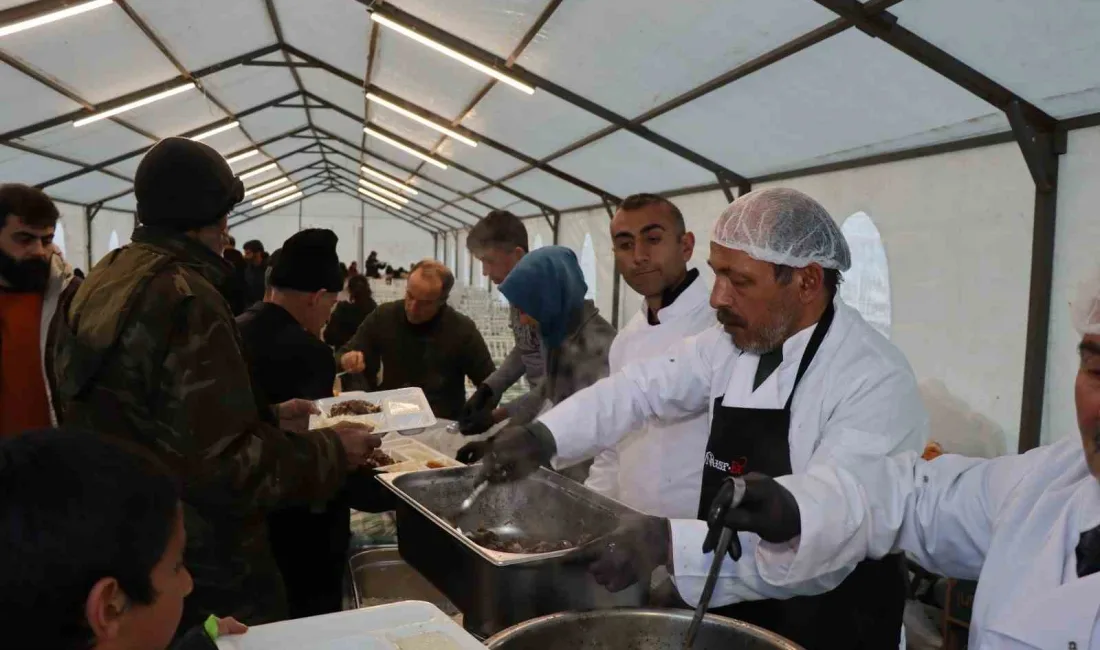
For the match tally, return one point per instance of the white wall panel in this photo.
(1076, 234)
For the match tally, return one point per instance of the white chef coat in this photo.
(1012, 523)
(859, 397)
(656, 469)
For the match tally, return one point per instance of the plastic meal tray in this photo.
(410, 625)
(413, 455)
(403, 409)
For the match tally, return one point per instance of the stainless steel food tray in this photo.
(545, 507)
(495, 590)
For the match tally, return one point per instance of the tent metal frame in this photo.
(1040, 137)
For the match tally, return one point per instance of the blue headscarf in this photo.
(547, 285)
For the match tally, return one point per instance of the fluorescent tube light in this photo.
(256, 172)
(426, 122)
(241, 156)
(407, 149)
(285, 199)
(457, 56)
(215, 131)
(274, 195)
(383, 191)
(266, 186)
(53, 16)
(135, 104)
(380, 199)
(386, 179)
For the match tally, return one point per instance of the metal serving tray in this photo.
(495, 590)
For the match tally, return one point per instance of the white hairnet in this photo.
(782, 226)
(1085, 308)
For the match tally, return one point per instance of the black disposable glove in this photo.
(516, 452)
(628, 554)
(471, 452)
(755, 504)
(476, 422)
(481, 399)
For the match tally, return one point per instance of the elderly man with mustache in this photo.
(793, 378)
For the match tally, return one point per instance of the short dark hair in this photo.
(498, 229)
(440, 271)
(232, 241)
(29, 203)
(253, 246)
(784, 274)
(639, 201)
(74, 509)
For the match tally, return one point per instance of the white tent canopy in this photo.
(942, 122)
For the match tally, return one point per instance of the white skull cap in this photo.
(782, 226)
(1085, 308)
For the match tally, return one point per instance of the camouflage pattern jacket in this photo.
(150, 353)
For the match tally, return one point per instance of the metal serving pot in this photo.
(634, 629)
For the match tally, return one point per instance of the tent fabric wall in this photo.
(1076, 233)
(76, 235)
(106, 222)
(957, 233)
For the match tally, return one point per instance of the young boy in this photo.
(91, 548)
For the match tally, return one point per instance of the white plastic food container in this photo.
(413, 455)
(403, 409)
(411, 625)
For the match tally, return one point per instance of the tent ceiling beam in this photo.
(296, 201)
(103, 165)
(459, 166)
(411, 199)
(420, 189)
(493, 61)
(53, 85)
(499, 146)
(355, 195)
(260, 209)
(372, 56)
(529, 36)
(136, 95)
(65, 159)
(885, 27)
(182, 69)
(409, 171)
(420, 216)
(277, 27)
(428, 115)
(353, 182)
(279, 64)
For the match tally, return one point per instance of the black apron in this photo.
(864, 611)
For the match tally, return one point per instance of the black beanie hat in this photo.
(308, 262)
(184, 185)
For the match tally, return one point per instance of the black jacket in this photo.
(310, 543)
(436, 356)
(345, 319)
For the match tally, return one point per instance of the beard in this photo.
(762, 339)
(31, 275)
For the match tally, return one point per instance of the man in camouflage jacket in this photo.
(150, 353)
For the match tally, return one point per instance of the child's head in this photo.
(91, 545)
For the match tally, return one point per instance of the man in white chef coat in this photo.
(1024, 526)
(792, 379)
(656, 468)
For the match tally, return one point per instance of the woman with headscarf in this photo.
(547, 286)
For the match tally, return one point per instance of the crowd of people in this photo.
(158, 482)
